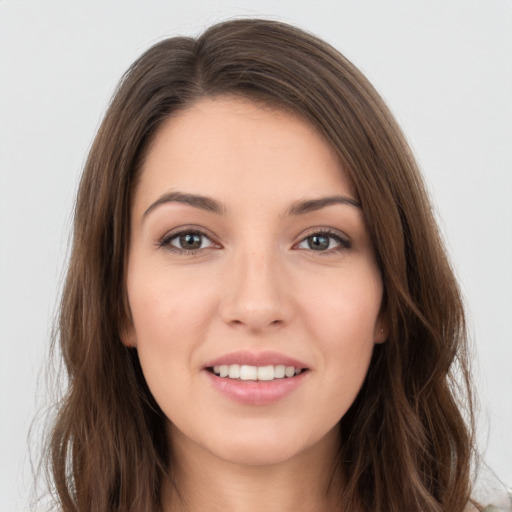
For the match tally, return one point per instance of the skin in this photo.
(253, 284)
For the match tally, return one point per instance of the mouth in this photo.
(243, 372)
(256, 378)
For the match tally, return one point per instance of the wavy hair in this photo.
(406, 442)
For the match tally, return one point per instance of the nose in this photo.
(256, 294)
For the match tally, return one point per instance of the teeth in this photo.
(246, 372)
(279, 371)
(265, 373)
(234, 371)
(290, 371)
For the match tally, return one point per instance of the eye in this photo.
(186, 242)
(324, 241)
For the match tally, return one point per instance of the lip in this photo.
(265, 358)
(256, 392)
(250, 392)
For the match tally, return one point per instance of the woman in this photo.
(258, 309)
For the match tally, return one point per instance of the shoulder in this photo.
(498, 501)
(490, 493)
(503, 507)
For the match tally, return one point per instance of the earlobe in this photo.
(381, 336)
(128, 337)
(381, 330)
(127, 333)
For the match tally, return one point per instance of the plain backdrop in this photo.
(444, 67)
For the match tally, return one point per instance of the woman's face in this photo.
(249, 256)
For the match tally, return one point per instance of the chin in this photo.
(258, 454)
(263, 447)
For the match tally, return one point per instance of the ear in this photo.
(381, 332)
(128, 335)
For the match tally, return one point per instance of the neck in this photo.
(204, 482)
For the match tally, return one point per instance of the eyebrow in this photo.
(208, 204)
(311, 205)
(202, 202)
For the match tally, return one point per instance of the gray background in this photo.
(445, 68)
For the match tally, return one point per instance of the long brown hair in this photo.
(406, 442)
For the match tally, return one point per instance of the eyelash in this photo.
(343, 243)
(166, 241)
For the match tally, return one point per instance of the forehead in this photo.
(230, 147)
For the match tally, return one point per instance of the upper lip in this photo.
(265, 358)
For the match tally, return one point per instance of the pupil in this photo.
(318, 242)
(190, 241)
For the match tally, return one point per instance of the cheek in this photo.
(168, 303)
(343, 316)
(344, 310)
(170, 316)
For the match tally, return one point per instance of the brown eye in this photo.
(189, 241)
(318, 242)
(324, 242)
(186, 242)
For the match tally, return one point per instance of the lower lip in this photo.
(250, 392)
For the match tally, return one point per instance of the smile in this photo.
(255, 373)
(256, 378)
